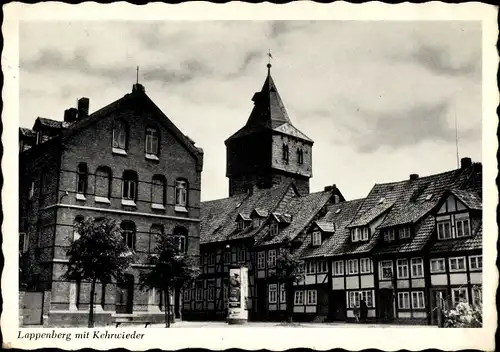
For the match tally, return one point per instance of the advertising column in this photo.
(238, 295)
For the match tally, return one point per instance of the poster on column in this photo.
(238, 294)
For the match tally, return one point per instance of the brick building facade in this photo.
(126, 161)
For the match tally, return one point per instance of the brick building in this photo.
(126, 161)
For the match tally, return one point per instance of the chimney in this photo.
(83, 107)
(413, 177)
(70, 115)
(465, 163)
(138, 88)
(330, 188)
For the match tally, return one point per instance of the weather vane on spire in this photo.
(269, 57)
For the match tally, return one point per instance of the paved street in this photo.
(211, 324)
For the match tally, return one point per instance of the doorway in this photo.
(385, 304)
(125, 295)
(434, 304)
(337, 305)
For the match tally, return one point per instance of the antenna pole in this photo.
(137, 78)
(456, 134)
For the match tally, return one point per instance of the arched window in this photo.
(155, 234)
(300, 156)
(286, 156)
(78, 220)
(158, 192)
(82, 174)
(128, 233)
(129, 186)
(103, 184)
(120, 135)
(181, 193)
(180, 238)
(152, 142)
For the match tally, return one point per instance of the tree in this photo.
(288, 272)
(100, 254)
(170, 270)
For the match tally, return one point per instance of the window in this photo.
(316, 238)
(31, 191)
(459, 295)
(352, 265)
(152, 144)
(256, 222)
(310, 267)
(156, 233)
(241, 255)
(360, 234)
(241, 225)
(365, 265)
(418, 300)
(457, 264)
(312, 297)
(322, 266)
(355, 298)
(282, 293)
(82, 174)
(180, 194)
(211, 259)
(444, 230)
(180, 238)
(338, 268)
(158, 194)
(300, 156)
(437, 265)
(199, 291)
(24, 241)
(129, 187)
(364, 234)
(404, 232)
(261, 258)
(128, 233)
(103, 184)
(403, 300)
(274, 229)
(186, 295)
(477, 296)
(211, 291)
(78, 220)
(389, 235)
(120, 136)
(475, 262)
(354, 235)
(385, 272)
(227, 256)
(38, 137)
(417, 267)
(298, 298)
(273, 293)
(271, 258)
(402, 265)
(463, 227)
(286, 156)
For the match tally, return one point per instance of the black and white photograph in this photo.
(250, 174)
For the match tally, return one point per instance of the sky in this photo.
(378, 98)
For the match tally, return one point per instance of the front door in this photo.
(261, 300)
(435, 297)
(125, 295)
(322, 303)
(385, 304)
(337, 305)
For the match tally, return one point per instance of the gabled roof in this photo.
(282, 218)
(303, 211)
(371, 214)
(138, 99)
(243, 217)
(53, 124)
(470, 200)
(269, 114)
(26, 132)
(325, 226)
(217, 216)
(260, 212)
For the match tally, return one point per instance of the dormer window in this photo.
(444, 230)
(242, 224)
(256, 222)
(462, 225)
(389, 235)
(316, 238)
(404, 233)
(360, 234)
(274, 229)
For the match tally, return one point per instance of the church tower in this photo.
(268, 150)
